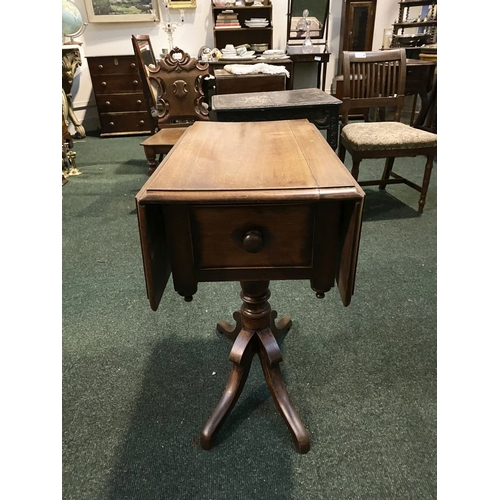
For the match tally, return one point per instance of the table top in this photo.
(250, 162)
(280, 98)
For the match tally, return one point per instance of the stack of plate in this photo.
(257, 22)
(274, 54)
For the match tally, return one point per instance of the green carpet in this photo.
(138, 385)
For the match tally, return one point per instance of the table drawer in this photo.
(109, 84)
(125, 122)
(113, 65)
(108, 103)
(252, 236)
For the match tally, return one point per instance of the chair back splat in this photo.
(374, 79)
(179, 80)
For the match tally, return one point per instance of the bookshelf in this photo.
(229, 25)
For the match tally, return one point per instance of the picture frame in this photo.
(126, 11)
(181, 4)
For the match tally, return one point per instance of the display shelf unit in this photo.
(403, 21)
(243, 35)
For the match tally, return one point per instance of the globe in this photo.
(72, 20)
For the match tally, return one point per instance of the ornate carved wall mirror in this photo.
(181, 4)
(317, 16)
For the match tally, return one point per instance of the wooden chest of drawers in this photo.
(121, 104)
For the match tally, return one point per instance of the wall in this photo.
(195, 32)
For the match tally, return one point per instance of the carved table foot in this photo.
(241, 355)
(225, 328)
(255, 332)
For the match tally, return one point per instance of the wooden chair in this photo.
(174, 85)
(377, 79)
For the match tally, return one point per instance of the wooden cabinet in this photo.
(243, 35)
(119, 95)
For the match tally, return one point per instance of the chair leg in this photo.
(355, 168)
(425, 184)
(151, 157)
(342, 152)
(389, 162)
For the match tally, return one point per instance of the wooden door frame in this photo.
(344, 31)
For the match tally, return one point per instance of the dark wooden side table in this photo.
(317, 106)
(318, 55)
(251, 202)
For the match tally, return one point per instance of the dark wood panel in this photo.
(227, 83)
(118, 102)
(107, 84)
(219, 234)
(133, 122)
(112, 65)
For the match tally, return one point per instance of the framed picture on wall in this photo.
(121, 11)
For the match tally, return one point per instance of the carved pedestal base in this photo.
(255, 333)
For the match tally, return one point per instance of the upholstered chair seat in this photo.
(374, 136)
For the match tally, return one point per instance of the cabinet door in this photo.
(358, 20)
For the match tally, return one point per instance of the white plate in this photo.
(264, 25)
(274, 52)
(248, 53)
(237, 58)
(272, 58)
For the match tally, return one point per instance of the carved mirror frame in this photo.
(295, 12)
(181, 4)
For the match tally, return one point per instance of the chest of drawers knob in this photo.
(103, 84)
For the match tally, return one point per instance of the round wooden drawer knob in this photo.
(103, 84)
(107, 103)
(135, 82)
(139, 101)
(253, 242)
(100, 66)
(141, 122)
(132, 65)
(112, 124)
